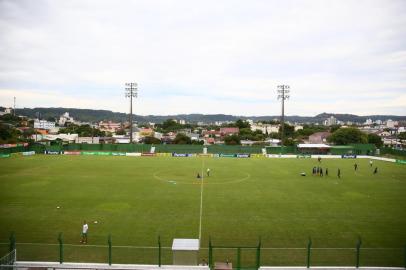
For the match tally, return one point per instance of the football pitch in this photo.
(137, 199)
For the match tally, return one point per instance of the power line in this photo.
(131, 90)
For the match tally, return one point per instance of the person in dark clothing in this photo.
(319, 159)
(314, 170)
(321, 171)
(326, 171)
(376, 170)
(339, 173)
(355, 167)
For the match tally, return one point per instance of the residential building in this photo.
(109, 126)
(88, 140)
(193, 136)
(146, 132)
(391, 124)
(6, 111)
(265, 128)
(330, 121)
(43, 124)
(319, 137)
(65, 119)
(229, 131)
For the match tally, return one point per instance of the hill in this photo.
(88, 115)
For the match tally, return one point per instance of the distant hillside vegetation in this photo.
(87, 115)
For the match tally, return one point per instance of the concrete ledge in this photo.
(56, 265)
(329, 268)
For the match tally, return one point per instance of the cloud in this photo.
(209, 57)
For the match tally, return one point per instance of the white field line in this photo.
(262, 248)
(201, 203)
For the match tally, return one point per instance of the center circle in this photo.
(189, 178)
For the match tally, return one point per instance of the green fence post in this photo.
(238, 258)
(358, 251)
(210, 254)
(259, 254)
(60, 240)
(12, 241)
(159, 250)
(309, 247)
(405, 256)
(109, 242)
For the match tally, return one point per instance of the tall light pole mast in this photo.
(131, 91)
(283, 94)
(14, 110)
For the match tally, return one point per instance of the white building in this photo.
(368, 122)
(65, 118)
(391, 124)
(265, 128)
(88, 140)
(48, 137)
(6, 111)
(330, 121)
(43, 124)
(182, 122)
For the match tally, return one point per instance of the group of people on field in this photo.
(318, 171)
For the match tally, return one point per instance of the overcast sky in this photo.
(205, 56)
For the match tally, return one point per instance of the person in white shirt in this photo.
(85, 228)
(208, 171)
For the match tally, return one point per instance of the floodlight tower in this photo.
(131, 90)
(283, 94)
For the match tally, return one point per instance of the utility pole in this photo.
(283, 94)
(14, 110)
(131, 90)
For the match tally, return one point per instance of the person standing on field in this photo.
(208, 172)
(326, 171)
(355, 167)
(339, 173)
(370, 163)
(85, 228)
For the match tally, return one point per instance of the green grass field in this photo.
(137, 199)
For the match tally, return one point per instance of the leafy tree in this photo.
(288, 130)
(375, 139)
(334, 128)
(82, 131)
(182, 139)
(8, 134)
(120, 132)
(199, 142)
(232, 140)
(151, 140)
(402, 136)
(9, 118)
(242, 124)
(344, 136)
(288, 142)
(28, 132)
